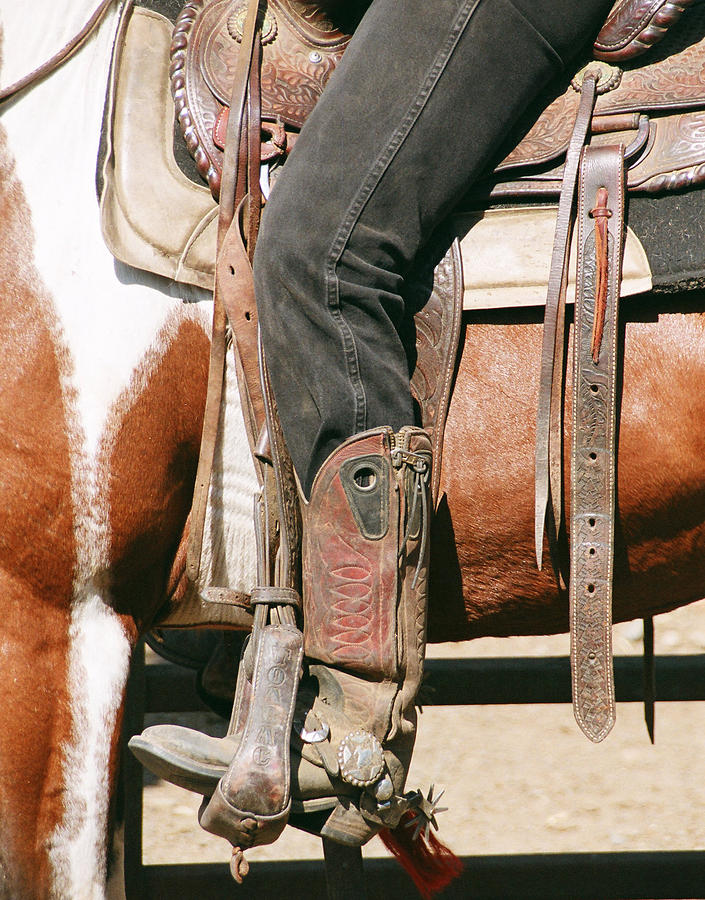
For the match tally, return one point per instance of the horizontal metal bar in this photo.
(488, 681)
(547, 680)
(580, 876)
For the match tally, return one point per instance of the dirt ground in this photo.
(520, 779)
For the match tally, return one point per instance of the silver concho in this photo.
(236, 24)
(608, 76)
(360, 758)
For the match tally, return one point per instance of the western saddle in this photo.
(238, 112)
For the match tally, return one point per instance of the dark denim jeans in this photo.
(424, 96)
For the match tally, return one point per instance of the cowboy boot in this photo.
(365, 591)
(365, 568)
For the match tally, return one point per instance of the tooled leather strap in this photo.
(239, 193)
(548, 431)
(593, 459)
(65, 53)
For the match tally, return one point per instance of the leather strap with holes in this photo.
(593, 458)
(548, 468)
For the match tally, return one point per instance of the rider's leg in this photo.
(417, 109)
(424, 96)
(420, 103)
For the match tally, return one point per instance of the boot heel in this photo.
(345, 825)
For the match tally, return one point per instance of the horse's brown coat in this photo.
(488, 477)
(147, 462)
(37, 556)
(152, 470)
(145, 468)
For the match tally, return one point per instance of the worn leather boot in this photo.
(365, 590)
(365, 579)
(189, 758)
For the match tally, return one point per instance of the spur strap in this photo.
(593, 458)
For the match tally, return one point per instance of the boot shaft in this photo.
(364, 543)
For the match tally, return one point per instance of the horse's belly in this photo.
(493, 586)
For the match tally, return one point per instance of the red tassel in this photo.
(430, 863)
(600, 214)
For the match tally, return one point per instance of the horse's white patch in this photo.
(99, 657)
(109, 315)
(108, 325)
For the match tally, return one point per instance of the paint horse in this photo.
(103, 379)
(102, 398)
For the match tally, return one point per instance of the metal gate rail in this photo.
(670, 875)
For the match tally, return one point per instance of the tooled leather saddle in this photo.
(245, 75)
(301, 46)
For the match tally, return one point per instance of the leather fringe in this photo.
(431, 865)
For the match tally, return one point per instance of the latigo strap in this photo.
(600, 245)
(549, 422)
(600, 239)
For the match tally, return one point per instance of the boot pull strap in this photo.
(420, 465)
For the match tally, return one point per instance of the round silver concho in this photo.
(608, 77)
(360, 758)
(236, 24)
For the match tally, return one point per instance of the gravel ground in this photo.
(519, 779)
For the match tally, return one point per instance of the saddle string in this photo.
(548, 463)
(600, 214)
(66, 52)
